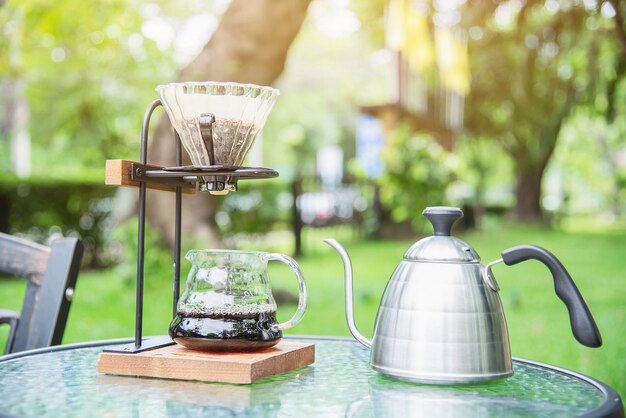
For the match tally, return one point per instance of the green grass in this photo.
(538, 322)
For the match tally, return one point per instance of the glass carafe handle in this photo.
(301, 288)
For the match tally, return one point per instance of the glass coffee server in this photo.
(216, 123)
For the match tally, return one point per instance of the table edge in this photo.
(612, 407)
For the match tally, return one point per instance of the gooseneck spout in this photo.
(347, 266)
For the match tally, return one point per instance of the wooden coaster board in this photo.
(178, 362)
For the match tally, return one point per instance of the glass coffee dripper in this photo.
(217, 122)
(227, 304)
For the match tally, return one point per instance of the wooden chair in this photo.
(51, 273)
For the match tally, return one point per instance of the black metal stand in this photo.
(214, 178)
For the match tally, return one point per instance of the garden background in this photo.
(515, 111)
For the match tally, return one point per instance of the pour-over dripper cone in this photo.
(217, 122)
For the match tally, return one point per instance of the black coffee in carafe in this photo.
(226, 328)
(228, 305)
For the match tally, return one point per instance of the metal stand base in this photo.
(150, 343)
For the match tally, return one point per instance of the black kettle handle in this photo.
(583, 325)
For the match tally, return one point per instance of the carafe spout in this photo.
(347, 265)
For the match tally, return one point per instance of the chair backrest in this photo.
(51, 273)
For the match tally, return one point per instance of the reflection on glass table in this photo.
(63, 381)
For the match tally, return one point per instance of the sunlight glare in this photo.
(338, 23)
(159, 31)
(193, 35)
(552, 6)
(607, 10)
(505, 13)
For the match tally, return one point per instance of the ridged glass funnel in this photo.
(217, 122)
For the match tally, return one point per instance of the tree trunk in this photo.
(530, 169)
(249, 46)
(528, 195)
(530, 166)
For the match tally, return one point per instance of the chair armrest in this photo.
(12, 318)
(7, 317)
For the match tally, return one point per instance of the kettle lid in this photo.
(442, 246)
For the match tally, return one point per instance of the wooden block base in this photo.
(178, 362)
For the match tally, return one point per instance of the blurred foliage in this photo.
(560, 56)
(536, 67)
(44, 210)
(88, 73)
(406, 187)
(580, 178)
(371, 12)
(264, 207)
(484, 174)
(157, 256)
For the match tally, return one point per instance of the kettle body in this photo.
(440, 323)
(440, 319)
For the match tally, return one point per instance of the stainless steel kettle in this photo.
(440, 319)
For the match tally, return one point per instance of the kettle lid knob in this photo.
(442, 218)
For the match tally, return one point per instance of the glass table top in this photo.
(339, 383)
